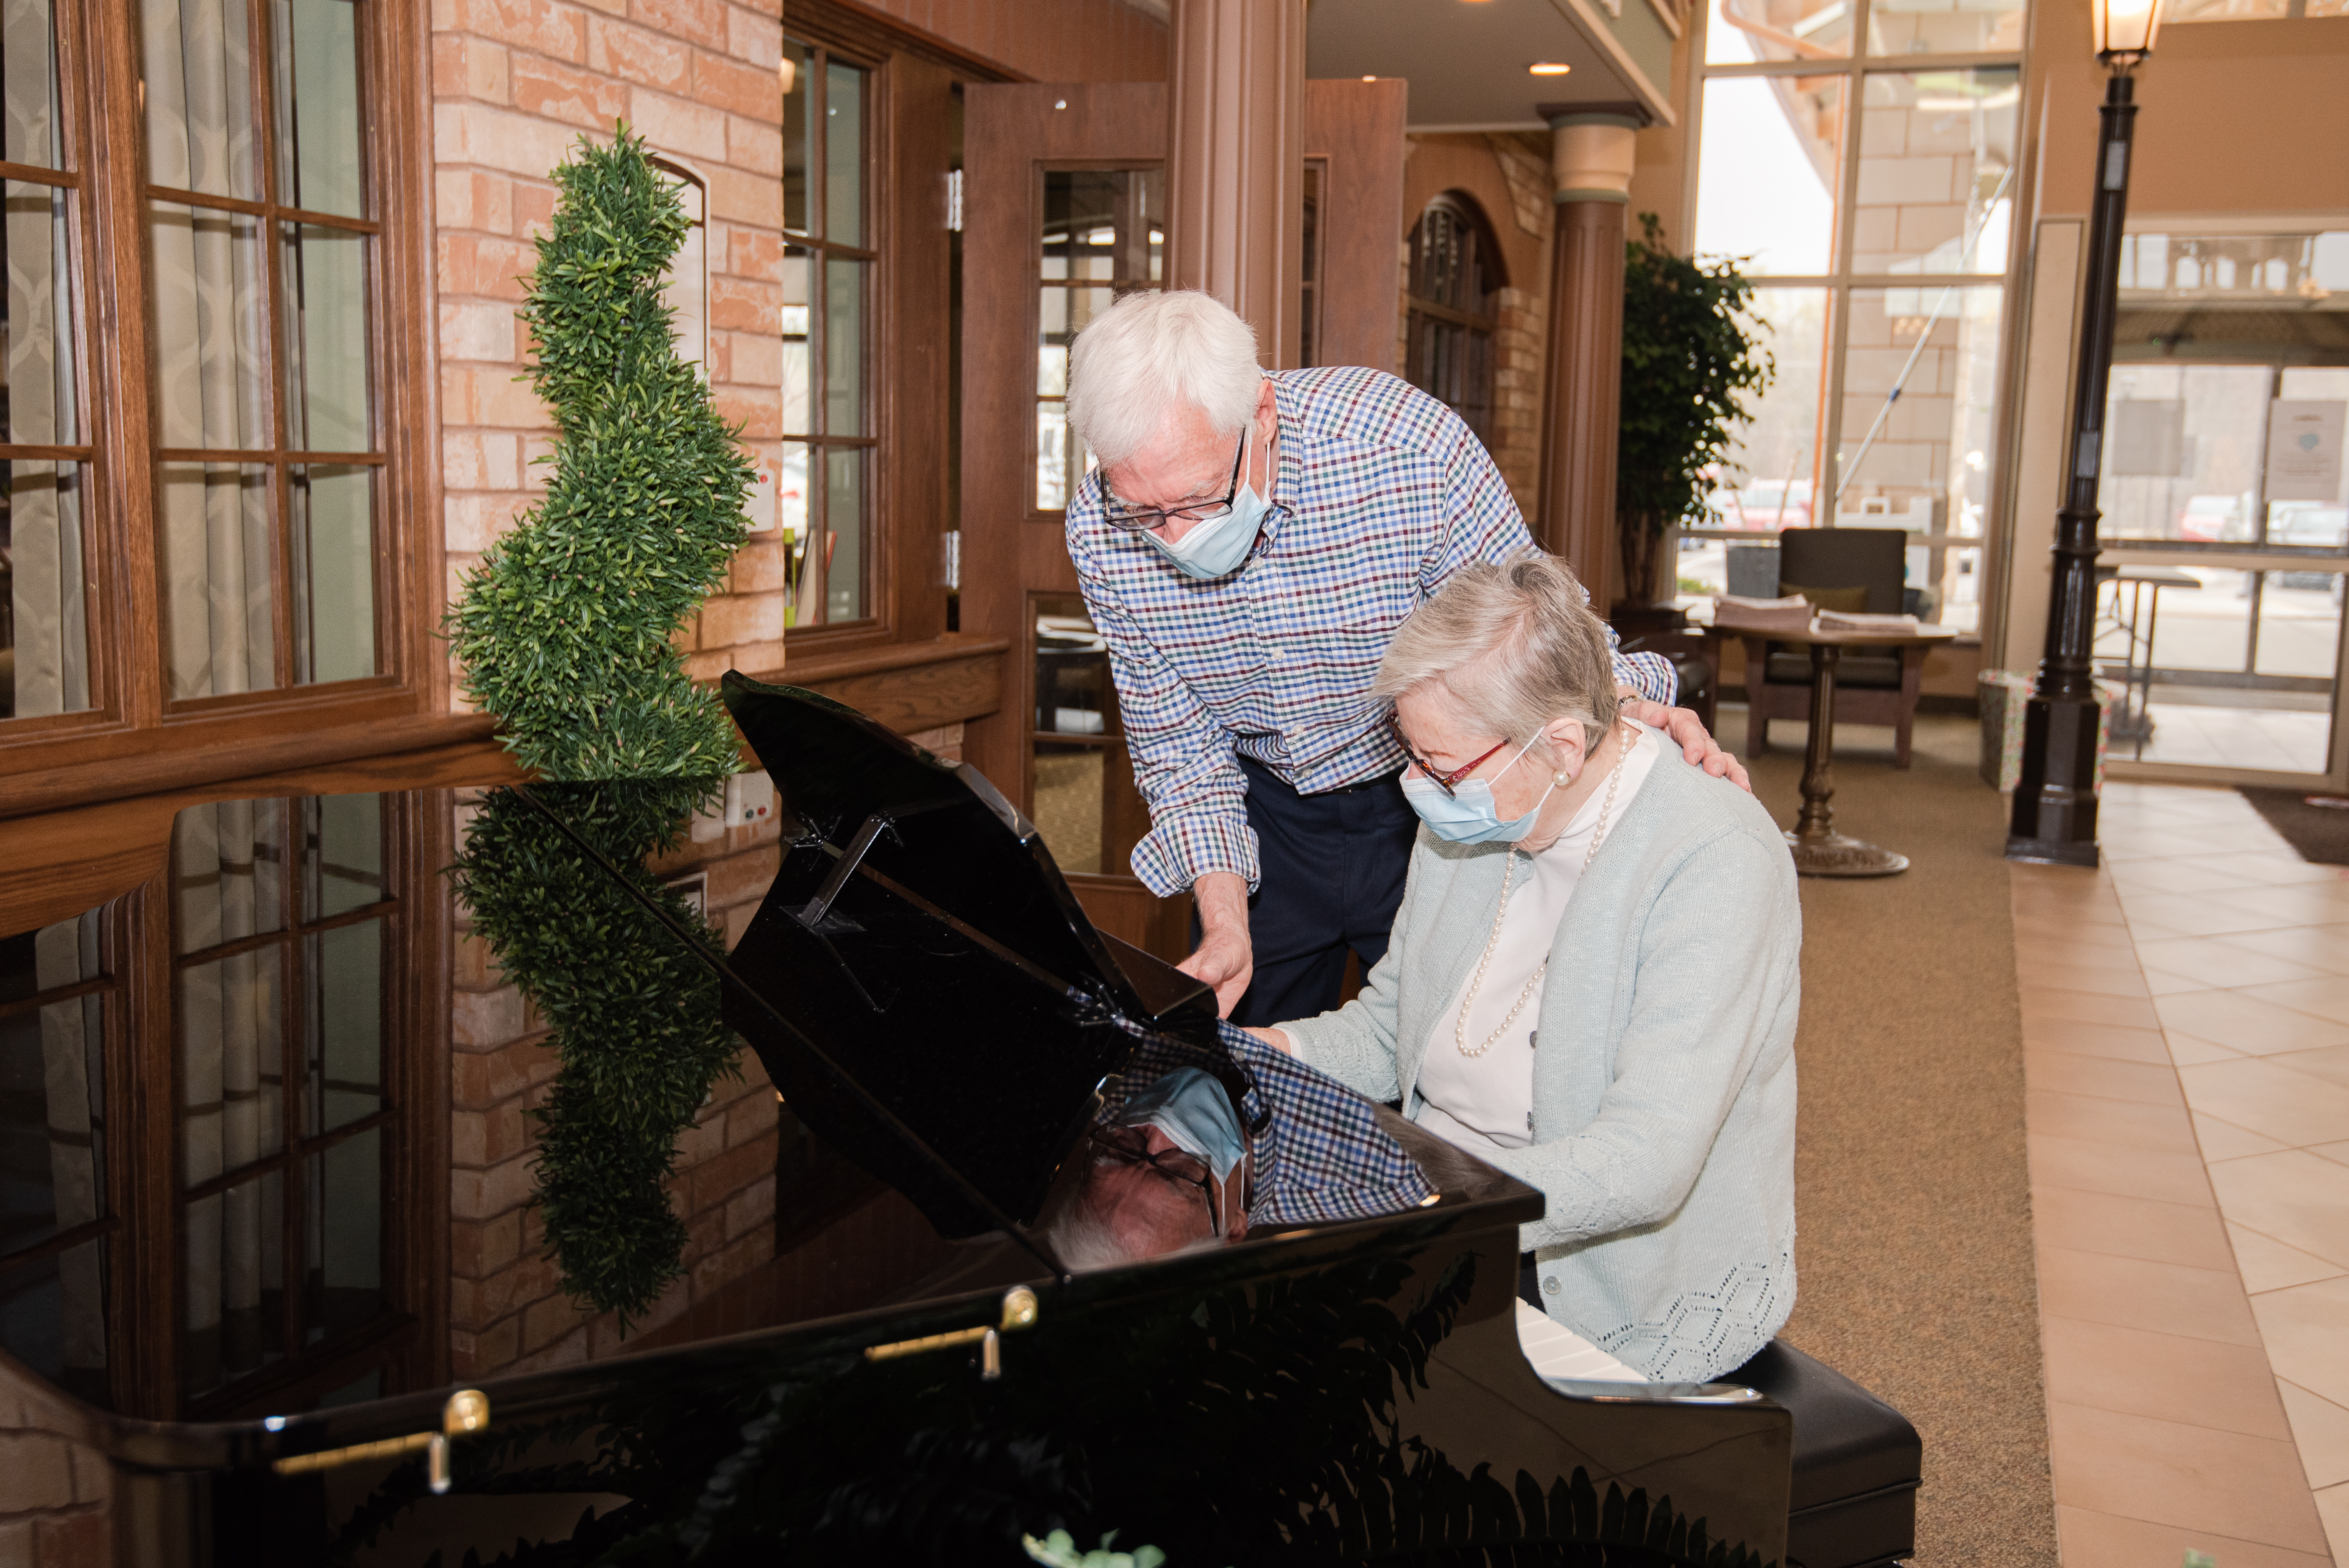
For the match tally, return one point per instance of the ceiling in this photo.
(1466, 59)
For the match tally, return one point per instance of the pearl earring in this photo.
(1561, 779)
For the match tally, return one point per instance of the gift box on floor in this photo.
(2003, 694)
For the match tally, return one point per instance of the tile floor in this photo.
(2237, 737)
(2185, 1033)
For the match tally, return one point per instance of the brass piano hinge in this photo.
(467, 1411)
(1019, 1312)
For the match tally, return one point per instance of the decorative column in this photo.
(1234, 165)
(1590, 175)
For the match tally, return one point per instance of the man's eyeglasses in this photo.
(1441, 780)
(1131, 1146)
(1141, 520)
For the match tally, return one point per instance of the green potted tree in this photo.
(1691, 348)
(566, 633)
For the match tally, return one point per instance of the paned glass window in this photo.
(1864, 174)
(260, 237)
(57, 987)
(1453, 307)
(45, 544)
(1104, 237)
(283, 927)
(825, 500)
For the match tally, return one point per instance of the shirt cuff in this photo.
(1176, 853)
(1650, 674)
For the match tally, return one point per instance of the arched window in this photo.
(1457, 275)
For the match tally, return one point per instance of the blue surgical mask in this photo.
(1194, 1113)
(1212, 549)
(1467, 815)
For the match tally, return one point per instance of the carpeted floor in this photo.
(1914, 1253)
(2320, 834)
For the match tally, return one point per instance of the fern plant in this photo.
(565, 632)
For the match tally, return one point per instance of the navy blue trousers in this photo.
(1332, 868)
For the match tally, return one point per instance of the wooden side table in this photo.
(1819, 851)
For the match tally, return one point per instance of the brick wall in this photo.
(54, 1493)
(514, 84)
(506, 1310)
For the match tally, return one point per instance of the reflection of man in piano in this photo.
(1175, 1162)
(1578, 887)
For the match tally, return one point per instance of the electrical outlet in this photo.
(750, 799)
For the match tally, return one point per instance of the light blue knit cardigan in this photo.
(1664, 1077)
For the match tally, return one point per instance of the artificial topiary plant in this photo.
(1692, 344)
(564, 633)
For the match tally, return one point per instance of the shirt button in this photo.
(1533, 1038)
(1550, 1285)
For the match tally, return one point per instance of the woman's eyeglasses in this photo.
(1141, 520)
(1441, 780)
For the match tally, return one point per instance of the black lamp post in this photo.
(2054, 796)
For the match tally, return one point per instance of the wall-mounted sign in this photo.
(2304, 450)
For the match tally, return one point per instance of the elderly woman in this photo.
(1592, 979)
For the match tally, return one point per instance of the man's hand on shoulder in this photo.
(1688, 732)
(1226, 959)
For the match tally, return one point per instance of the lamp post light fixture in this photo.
(2054, 796)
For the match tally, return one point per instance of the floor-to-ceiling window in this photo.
(2225, 498)
(1860, 155)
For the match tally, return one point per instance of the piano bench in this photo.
(1858, 1463)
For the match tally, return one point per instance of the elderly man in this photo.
(1248, 545)
(1177, 1164)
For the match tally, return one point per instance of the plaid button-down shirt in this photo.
(1382, 493)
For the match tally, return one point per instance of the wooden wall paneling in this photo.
(910, 686)
(1358, 127)
(237, 755)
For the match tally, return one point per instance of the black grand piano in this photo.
(931, 1002)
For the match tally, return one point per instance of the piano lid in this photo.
(919, 937)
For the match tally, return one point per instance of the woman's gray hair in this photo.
(1148, 354)
(1516, 646)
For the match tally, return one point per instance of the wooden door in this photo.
(1064, 210)
(1063, 205)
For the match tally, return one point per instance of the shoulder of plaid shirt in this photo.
(1382, 493)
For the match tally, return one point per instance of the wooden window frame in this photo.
(910, 390)
(1493, 269)
(132, 720)
(820, 252)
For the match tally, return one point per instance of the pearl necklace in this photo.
(1492, 942)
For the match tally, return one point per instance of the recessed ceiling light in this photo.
(1369, 78)
(1548, 69)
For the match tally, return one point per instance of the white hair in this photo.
(1148, 352)
(1516, 647)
